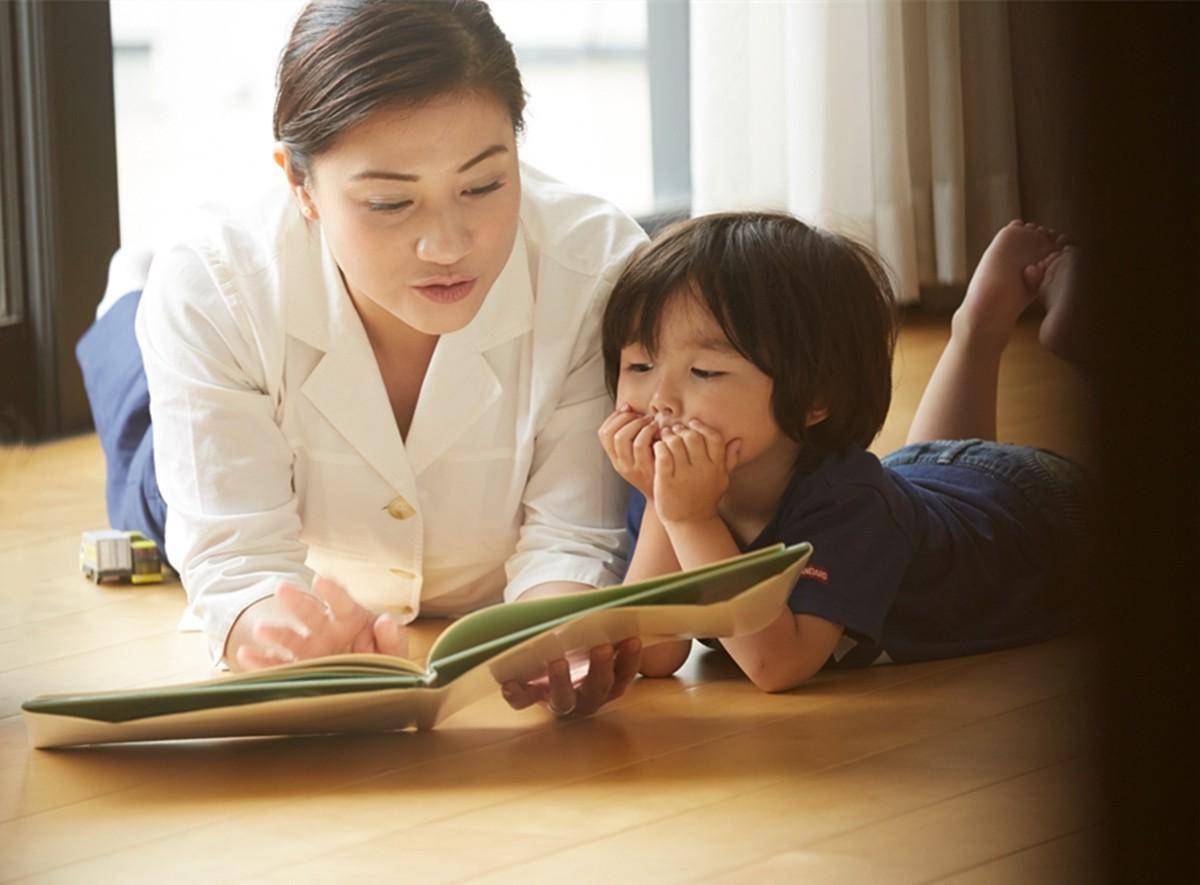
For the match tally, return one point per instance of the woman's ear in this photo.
(297, 183)
(816, 415)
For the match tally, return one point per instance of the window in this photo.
(58, 206)
(194, 99)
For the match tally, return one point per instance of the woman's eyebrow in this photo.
(406, 176)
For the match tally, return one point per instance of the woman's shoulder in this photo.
(581, 232)
(242, 238)
(224, 271)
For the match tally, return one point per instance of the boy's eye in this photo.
(705, 374)
(637, 367)
(376, 206)
(486, 189)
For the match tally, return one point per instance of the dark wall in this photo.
(1108, 105)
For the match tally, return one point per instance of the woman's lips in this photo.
(448, 292)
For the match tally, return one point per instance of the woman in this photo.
(387, 378)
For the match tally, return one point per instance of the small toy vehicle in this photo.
(121, 556)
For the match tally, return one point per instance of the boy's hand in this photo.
(333, 624)
(626, 438)
(692, 464)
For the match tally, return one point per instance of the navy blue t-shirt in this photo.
(924, 561)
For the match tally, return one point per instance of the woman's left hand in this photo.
(611, 668)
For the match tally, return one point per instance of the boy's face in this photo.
(697, 374)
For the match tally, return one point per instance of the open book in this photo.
(357, 692)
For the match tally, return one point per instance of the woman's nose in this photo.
(444, 241)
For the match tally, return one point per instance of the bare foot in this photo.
(1006, 281)
(1061, 332)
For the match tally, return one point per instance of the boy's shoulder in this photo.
(850, 487)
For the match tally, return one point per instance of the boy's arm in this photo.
(653, 556)
(789, 651)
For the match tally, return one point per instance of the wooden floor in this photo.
(966, 770)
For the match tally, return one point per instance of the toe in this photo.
(1033, 274)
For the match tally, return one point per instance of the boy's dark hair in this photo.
(345, 59)
(811, 309)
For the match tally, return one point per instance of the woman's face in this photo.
(419, 206)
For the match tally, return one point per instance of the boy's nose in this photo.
(664, 404)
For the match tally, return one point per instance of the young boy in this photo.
(750, 357)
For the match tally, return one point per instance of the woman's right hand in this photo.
(330, 623)
(627, 438)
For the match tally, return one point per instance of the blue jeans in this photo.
(1052, 484)
(115, 380)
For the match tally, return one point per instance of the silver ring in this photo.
(565, 713)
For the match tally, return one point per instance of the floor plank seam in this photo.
(1013, 853)
(595, 774)
(799, 846)
(763, 787)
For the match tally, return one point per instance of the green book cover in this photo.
(365, 692)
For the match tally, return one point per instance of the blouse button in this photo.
(398, 508)
(403, 573)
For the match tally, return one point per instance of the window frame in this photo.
(59, 206)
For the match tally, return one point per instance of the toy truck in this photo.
(120, 556)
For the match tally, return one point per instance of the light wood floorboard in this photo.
(968, 770)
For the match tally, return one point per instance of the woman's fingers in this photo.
(610, 671)
(560, 693)
(626, 665)
(280, 638)
(341, 605)
(595, 688)
(251, 658)
(520, 695)
(303, 607)
(390, 637)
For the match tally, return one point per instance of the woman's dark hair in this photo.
(811, 309)
(346, 59)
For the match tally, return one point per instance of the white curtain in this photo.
(891, 122)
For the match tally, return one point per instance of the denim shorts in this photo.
(1053, 485)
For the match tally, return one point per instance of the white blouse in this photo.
(278, 455)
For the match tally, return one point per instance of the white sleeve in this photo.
(222, 462)
(574, 501)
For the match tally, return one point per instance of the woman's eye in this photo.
(705, 374)
(388, 207)
(637, 367)
(486, 189)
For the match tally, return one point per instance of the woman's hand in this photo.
(626, 438)
(332, 624)
(610, 670)
(692, 464)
